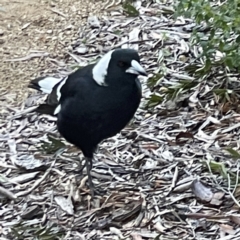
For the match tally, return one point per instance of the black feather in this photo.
(34, 84)
(90, 113)
(46, 109)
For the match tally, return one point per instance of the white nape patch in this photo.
(100, 69)
(47, 84)
(57, 109)
(59, 88)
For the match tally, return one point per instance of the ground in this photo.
(167, 175)
(33, 32)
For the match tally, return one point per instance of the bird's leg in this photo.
(89, 167)
(93, 190)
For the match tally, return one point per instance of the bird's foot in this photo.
(93, 191)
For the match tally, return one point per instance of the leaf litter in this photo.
(172, 173)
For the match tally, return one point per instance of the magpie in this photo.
(95, 102)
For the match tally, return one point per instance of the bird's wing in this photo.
(44, 84)
(51, 86)
(59, 89)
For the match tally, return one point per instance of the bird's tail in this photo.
(44, 84)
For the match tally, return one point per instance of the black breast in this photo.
(94, 113)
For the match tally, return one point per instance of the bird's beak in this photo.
(136, 68)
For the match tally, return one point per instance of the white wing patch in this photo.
(100, 69)
(58, 93)
(47, 84)
(59, 88)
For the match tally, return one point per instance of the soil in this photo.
(34, 38)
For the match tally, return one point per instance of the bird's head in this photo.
(119, 63)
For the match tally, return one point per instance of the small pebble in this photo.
(1, 32)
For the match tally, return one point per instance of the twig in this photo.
(7, 193)
(58, 12)
(231, 193)
(20, 114)
(28, 57)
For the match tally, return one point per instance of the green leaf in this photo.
(117, 32)
(154, 100)
(228, 47)
(129, 9)
(229, 62)
(224, 23)
(208, 65)
(154, 79)
(218, 167)
(52, 145)
(238, 39)
(234, 153)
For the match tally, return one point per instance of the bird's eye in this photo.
(121, 64)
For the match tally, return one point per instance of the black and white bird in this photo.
(95, 102)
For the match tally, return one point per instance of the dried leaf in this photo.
(94, 22)
(65, 204)
(32, 212)
(235, 219)
(203, 193)
(187, 135)
(227, 229)
(6, 193)
(30, 163)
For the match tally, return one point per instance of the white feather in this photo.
(59, 88)
(47, 84)
(57, 109)
(58, 93)
(100, 69)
